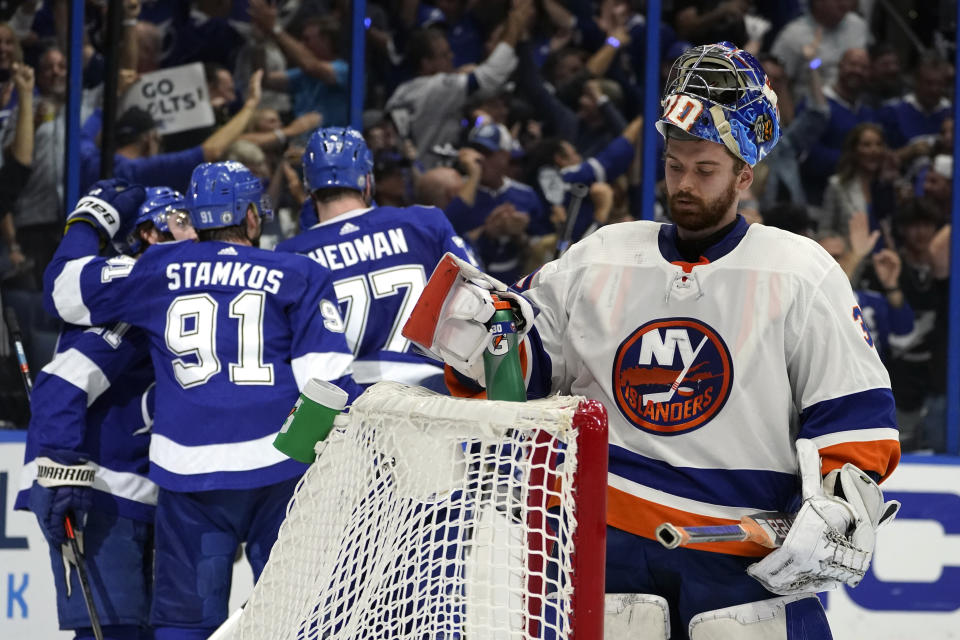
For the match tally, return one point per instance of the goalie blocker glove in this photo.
(450, 320)
(832, 539)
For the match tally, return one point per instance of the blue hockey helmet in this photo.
(221, 192)
(337, 157)
(720, 93)
(159, 201)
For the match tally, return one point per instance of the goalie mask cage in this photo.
(434, 518)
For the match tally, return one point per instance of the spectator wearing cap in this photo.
(138, 158)
(912, 122)
(839, 28)
(433, 101)
(319, 80)
(492, 211)
(460, 24)
(846, 110)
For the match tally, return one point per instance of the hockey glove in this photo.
(832, 539)
(111, 206)
(449, 320)
(62, 487)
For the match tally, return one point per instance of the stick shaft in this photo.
(768, 529)
(14, 327)
(84, 580)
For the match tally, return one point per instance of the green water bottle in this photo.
(310, 420)
(501, 358)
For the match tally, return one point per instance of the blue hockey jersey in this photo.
(554, 186)
(381, 258)
(234, 333)
(95, 398)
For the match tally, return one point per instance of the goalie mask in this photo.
(720, 93)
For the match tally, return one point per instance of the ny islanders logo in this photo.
(672, 376)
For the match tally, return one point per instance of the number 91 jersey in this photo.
(235, 332)
(381, 259)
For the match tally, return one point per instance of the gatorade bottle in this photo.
(501, 358)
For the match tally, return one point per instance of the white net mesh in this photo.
(426, 517)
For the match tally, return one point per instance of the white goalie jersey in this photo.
(710, 371)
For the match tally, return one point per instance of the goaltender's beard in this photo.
(694, 214)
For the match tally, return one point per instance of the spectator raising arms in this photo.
(434, 99)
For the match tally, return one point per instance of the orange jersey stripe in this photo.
(642, 517)
(879, 456)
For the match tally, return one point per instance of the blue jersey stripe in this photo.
(869, 409)
(764, 490)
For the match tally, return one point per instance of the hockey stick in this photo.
(579, 191)
(14, 327)
(768, 529)
(84, 580)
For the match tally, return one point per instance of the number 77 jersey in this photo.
(234, 332)
(381, 259)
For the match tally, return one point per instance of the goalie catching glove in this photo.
(450, 319)
(832, 539)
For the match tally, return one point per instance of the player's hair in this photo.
(847, 163)
(331, 194)
(235, 233)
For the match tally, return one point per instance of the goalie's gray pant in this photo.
(696, 582)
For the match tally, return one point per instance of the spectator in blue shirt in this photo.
(846, 111)
(912, 122)
(319, 81)
(494, 212)
(138, 159)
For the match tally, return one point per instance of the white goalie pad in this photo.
(632, 616)
(761, 620)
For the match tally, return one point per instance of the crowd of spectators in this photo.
(511, 115)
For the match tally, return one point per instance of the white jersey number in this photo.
(355, 292)
(191, 331)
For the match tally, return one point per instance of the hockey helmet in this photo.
(720, 93)
(337, 157)
(221, 192)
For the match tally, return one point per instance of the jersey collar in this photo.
(346, 215)
(667, 241)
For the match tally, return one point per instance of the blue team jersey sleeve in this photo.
(86, 366)
(612, 162)
(319, 348)
(84, 289)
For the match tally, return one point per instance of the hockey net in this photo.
(429, 517)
